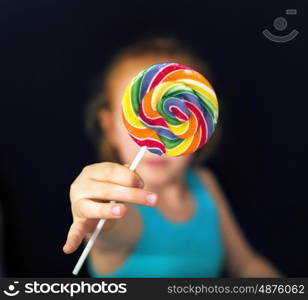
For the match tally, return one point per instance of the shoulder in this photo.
(211, 182)
(205, 173)
(208, 177)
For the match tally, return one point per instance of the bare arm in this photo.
(241, 259)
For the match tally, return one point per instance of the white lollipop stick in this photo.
(101, 222)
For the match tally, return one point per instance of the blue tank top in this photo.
(192, 248)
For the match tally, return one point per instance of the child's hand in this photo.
(91, 192)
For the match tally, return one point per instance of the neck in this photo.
(172, 193)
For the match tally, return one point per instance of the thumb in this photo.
(74, 237)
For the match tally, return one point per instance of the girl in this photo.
(171, 218)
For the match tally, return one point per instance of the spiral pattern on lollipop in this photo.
(170, 108)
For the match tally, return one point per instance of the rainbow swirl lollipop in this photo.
(170, 108)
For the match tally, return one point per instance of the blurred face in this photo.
(155, 170)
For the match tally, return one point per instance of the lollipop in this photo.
(167, 108)
(170, 108)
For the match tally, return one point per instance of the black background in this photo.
(50, 51)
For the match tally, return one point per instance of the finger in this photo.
(113, 172)
(89, 209)
(76, 234)
(110, 191)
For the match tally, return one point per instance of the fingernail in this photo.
(151, 198)
(116, 211)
